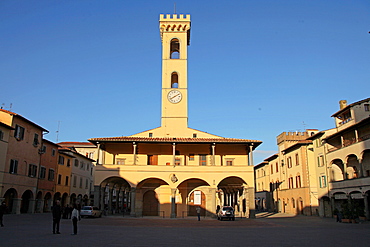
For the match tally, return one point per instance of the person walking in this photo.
(75, 217)
(2, 212)
(57, 214)
(198, 212)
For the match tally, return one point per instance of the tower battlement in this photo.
(174, 17)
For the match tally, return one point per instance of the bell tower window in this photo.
(175, 49)
(174, 80)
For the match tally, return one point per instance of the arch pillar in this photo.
(16, 206)
(173, 203)
(31, 206)
(211, 202)
(39, 205)
(366, 202)
(133, 203)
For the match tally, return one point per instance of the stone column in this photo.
(366, 201)
(134, 152)
(39, 205)
(213, 154)
(211, 208)
(174, 154)
(173, 203)
(16, 206)
(133, 204)
(31, 206)
(252, 210)
(250, 155)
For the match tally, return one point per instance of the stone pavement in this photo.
(266, 230)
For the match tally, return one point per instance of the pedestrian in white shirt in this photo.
(75, 217)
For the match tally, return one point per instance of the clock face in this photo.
(174, 96)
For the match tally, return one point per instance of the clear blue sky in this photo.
(256, 68)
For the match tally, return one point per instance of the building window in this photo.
(320, 160)
(293, 203)
(289, 161)
(120, 161)
(229, 162)
(291, 185)
(175, 49)
(298, 181)
(191, 157)
(272, 169)
(74, 181)
(194, 135)
(87, 184)
(13, 166)
(32, 170)
(19, 132)
(82, 165)
(1, 135)
(67, 178)
(177, 161)
(296, 159)
(202, 159)
(42, 172)
(51, 175)
(36, 140)
(150, 134)
(59, 179)
(91, 155)
(367, 107)
(61, 160)
(277, 167)
(174, 80)
(53, 152)
(80, 183)
(68, 162)
(152, 160)
(76, 162)
(322, 180)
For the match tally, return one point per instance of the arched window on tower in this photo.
(174, 80)
(175, 49)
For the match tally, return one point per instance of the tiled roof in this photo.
(349, 106)
(173, 139)
(25, 119)
(75, 143)
(298, 144)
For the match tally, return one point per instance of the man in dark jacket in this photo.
(57, 214)
(2, 212)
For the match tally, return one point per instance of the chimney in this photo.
(342, 104)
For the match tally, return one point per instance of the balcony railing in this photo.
(350, 142)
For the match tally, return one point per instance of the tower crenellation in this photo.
(177, 17)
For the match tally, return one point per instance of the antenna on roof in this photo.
(174, 8)
(58, 132)
(304, 126)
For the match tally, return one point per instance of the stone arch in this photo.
(353, 167)
(152, 197)
(57, 196)
(337, 168)
(47, 202)
(27, 202)
(114, 195)
(365, 161)
(64, 200)
(10, 197)
(236, 193)
(192, 193)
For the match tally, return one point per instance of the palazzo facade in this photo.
(171, 170)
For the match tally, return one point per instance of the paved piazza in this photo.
(272, 230)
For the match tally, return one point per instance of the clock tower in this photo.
(175, 36)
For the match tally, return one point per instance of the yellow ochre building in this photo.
(170, 170)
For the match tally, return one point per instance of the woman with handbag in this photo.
(75, 217)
